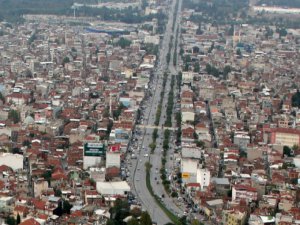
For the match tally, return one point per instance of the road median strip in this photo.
(170, 215)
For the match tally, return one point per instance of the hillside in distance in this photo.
(12, 10)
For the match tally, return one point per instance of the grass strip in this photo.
(169, 214)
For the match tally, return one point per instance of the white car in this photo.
(146, 155)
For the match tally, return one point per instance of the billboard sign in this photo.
(185, 175)
(94, 149)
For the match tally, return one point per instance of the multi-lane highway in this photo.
(138, 170)
(156, 157)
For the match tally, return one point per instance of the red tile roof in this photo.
(193, 184)
(21, 208)
(5, 168)
(244, 187)
(39, 204)
(30, 221)
(77, 213)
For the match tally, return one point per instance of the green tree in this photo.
(2, 97)
(208, 68)
(196, 49)
(295, 147)
(197, 67)
(186, 67)
(133, 221)
(243, 154)
(123, 42)
(14, 116)
(286, 165)
(148, 166)
(136, 212)
(238, 52)
(187, 59)
(200, 144)
(294, 181)
(231, 30)
(287, 151)
(211, 47)
(16, 150)
(66, 207)
(47, 176)
(119, 211)
(118, 111)
(212, 70)
(32, 38)
(65, 60)
(195, 222)
(18, 219)
(199, 30)
(57, 193)
(269, 32)
(27, 143)
(145, 219)
(296, 99)
(10, 220)
(281, 31)
(151, 48)
(229, 193)
(152, 146)
(181, 52)
(183, 220)
(227, 69)
(155, 134)
(174, 194)
(110, 222)
(144, 4)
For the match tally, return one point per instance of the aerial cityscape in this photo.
(150, 112)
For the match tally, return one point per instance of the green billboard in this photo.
(94, 149)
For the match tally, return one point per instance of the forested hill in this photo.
(12, 10)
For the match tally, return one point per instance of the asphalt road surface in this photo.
(138, 170)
